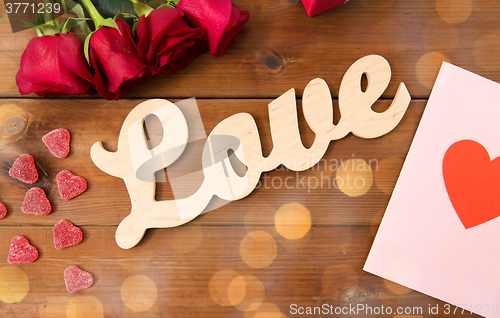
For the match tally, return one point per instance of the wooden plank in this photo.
(177, 265)
(106, 201)
(281, 47)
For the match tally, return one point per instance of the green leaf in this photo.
(42, 29)
(124, 16)
(166, 5)
(109, 22)
(85, 28)
(66, 26)
(129, 18)
(134, 27)
(86, 47)
(38, 31)
(1, 19)
(110, 8)
(173, 3)
(157, 3)
(27, 24)
(70, 6)
(142, 9)
(49, 29)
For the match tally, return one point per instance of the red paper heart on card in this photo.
(472, 180)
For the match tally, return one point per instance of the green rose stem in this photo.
(46, 24)
(49, 16)
(94, 14)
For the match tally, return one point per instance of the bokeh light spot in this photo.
(438, 35)
(258, 249)
(254, 293)
(354, 177)
(427, 68)
(387, 174)
(486, 52)
(218, 287)
(139, 293)
(454, 11)
(292, 220)
(84, 307)
(14, 284)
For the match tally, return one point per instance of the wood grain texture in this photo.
(89, 122)
(328, 274)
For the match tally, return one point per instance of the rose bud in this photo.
(220, 18)
(113, 55)
(167, 42)
(54, 65)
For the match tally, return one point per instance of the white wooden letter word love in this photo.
(242, 137)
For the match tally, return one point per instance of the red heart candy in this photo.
(21, 251)
(3, 210)
(58, 142)
(77, 279)
(472, 182)
(70, 185)
(24, 169)
(66, 234)
(36, 202)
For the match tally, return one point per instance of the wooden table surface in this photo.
(238, 260)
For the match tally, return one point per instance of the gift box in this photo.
(314, 7)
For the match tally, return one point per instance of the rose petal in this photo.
(221, 18)
(53, 66)
(168, 42)
(212, 15)
(237, 22)
(113, 55)
(151, 30)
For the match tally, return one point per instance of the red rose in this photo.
(53, 66)
(221, 18)
(167, 42)
(113, 55)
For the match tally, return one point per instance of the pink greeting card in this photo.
(440, 234)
